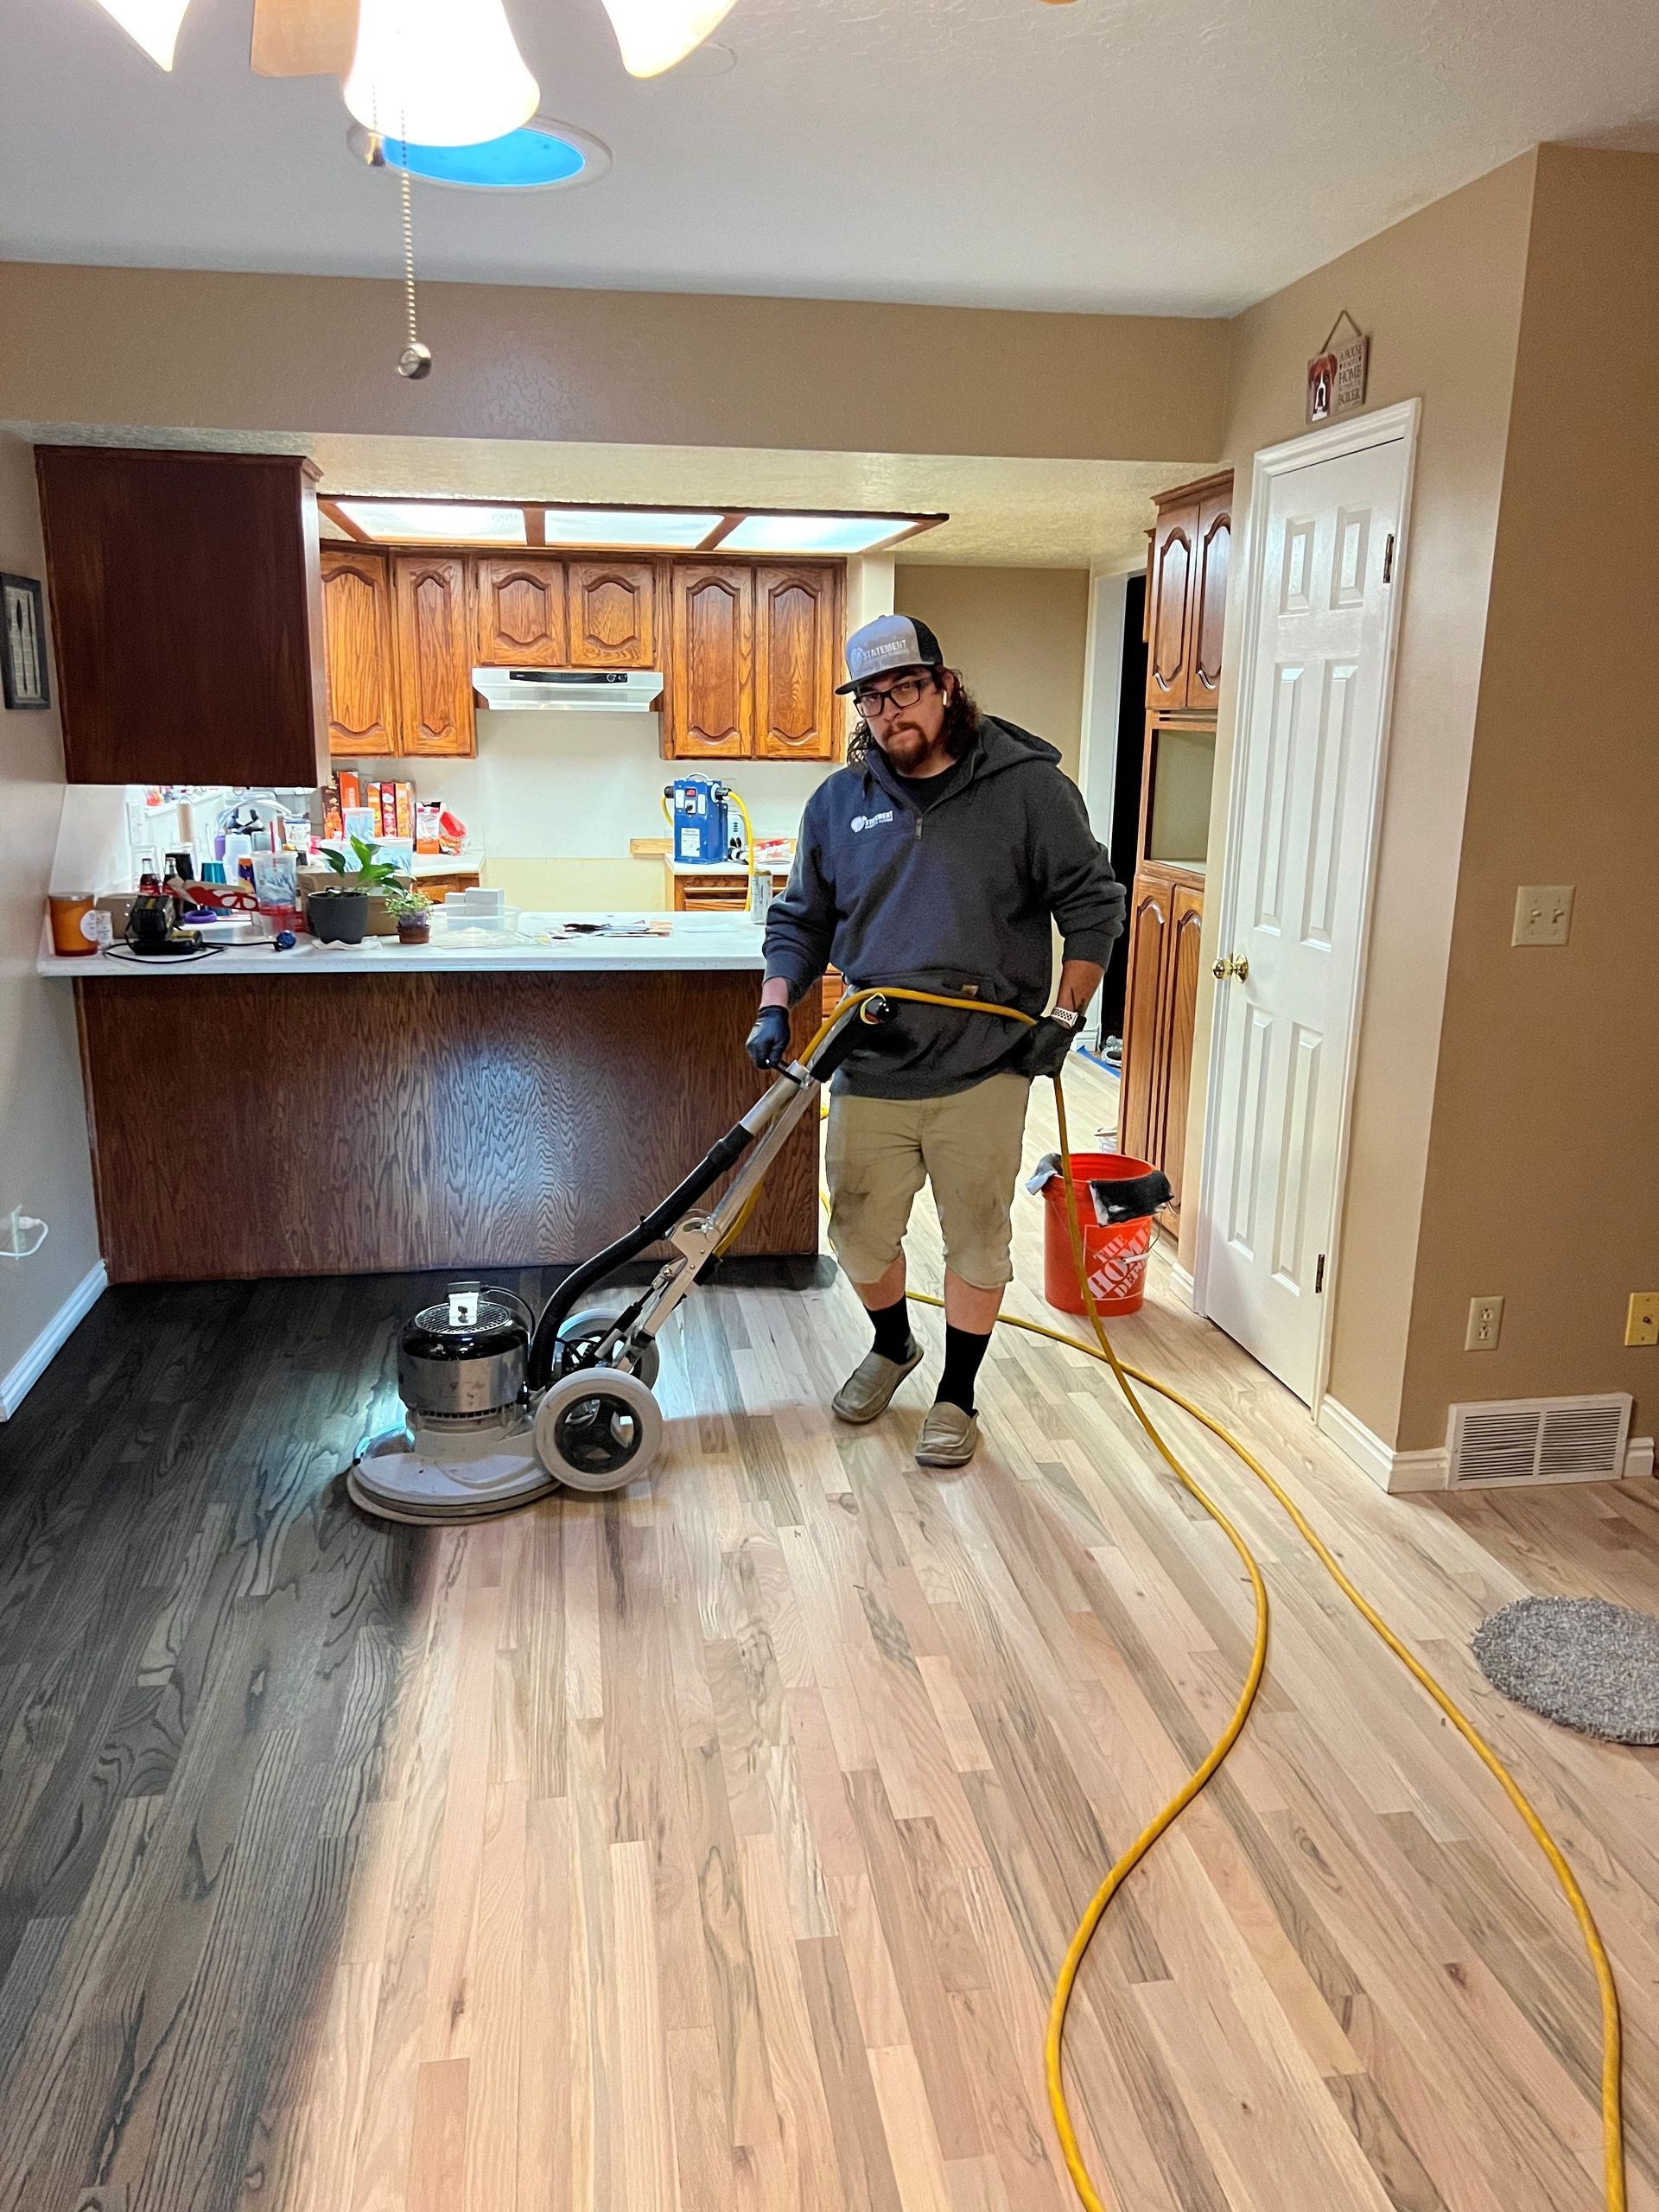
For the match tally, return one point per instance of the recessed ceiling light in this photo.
(628, 526)
(544, 155)
(448, 522)
(813, 533)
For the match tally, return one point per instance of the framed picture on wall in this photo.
(22, 670)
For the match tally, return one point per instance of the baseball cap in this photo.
(892, 641)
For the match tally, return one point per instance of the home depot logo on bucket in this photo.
(1117, 1274)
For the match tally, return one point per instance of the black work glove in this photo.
(768, 1044)
(1042, 1048)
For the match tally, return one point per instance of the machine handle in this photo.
(847, 1036)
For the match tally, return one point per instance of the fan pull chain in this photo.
(416, 359)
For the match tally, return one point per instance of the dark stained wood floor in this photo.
(200, 1641)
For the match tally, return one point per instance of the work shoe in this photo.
(949, 1437)
(868, 1390)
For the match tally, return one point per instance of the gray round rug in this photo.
(1579, 1660)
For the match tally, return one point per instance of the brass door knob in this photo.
(1231, 964)
(1222, 969)
(1242, 965)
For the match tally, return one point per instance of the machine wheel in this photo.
(590, 1327)
(598, 1429)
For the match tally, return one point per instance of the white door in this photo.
(1323, 575)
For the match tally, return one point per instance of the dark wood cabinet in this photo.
(521, 613)
(798, 634)
(433, 654)
(357, 631)
(187, 616)
(709, 708)
(612, 614)
(1165, 925)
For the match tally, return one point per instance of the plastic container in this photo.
(1115, 1252)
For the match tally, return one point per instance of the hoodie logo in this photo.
(871, 821)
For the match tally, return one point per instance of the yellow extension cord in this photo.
(1613, 2119)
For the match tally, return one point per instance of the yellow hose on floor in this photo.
(1613, 2116)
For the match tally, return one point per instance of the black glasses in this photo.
(903, 691)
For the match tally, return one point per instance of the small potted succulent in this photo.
(412, 911)
(341, 914)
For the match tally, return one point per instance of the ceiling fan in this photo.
(429, 71)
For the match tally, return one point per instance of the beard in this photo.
(906, 746)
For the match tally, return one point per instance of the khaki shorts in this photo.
(880, 1152)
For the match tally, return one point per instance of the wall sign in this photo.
(1337, 374)
(22, 667)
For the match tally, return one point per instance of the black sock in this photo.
(963, 1350)
(891, 1326)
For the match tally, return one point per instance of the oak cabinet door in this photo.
(1139, 1114)
(1209, 600)
(1179, 1016)
(796, 661)
(710, 706)
(1169, 639)
(612, 614)
(435, 668)
(357, 643)
(521, 613)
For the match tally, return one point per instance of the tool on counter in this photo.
(700, 812)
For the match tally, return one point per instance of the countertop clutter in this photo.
(568, 943)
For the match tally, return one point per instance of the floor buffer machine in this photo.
(502, 1405)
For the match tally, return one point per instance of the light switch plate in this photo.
(1543, 913)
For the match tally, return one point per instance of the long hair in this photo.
(960, 723)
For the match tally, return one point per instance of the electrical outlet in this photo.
(1485, 1320)
(1641, 1322)
(1543, 913)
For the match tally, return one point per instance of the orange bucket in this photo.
(1115, 1252)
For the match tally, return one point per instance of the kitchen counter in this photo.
(707, 942)
(392, 1107)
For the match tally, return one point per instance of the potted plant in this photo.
(412, 911)
(340, 915)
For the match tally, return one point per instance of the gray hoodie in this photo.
(955, 900)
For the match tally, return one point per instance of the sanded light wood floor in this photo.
(714, 1847)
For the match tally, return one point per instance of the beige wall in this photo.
(44, 1162)
(1018, 637)
(201, 350)
(1543, 1167)
(1441, 293)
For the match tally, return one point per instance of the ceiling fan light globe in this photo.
(439, 72)
(654, 34)
(152, 24)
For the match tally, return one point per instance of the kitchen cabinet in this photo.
(433, 654)
(187, 616)
(798, 628)
(1186, 595)
(612, 614)
(1165, 922)
(1186, 605)
(357, 631)
(709, 711)
(521, 611)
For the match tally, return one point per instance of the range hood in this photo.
(579, 690)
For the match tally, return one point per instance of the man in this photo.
(937, 858)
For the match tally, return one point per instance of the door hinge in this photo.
(1318, 1276)
(1387, 560)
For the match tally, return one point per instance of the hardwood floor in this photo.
(714, 1847)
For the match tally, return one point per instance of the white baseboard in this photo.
(1180, 1282)
(15, 1386)
(1638, 1458)
(1397, 1472)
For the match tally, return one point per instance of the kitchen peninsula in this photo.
(338, 1111)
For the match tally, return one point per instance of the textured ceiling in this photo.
(1018, 514)
(1184, 156)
